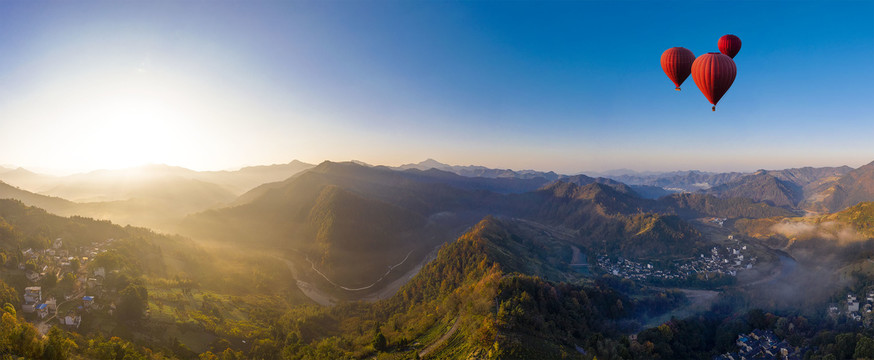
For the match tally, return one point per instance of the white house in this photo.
(32, 294)
(52, 304)
(852, 306)
(71, 320)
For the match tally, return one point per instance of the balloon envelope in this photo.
(677, 64)
(729, 45)
(713, 73)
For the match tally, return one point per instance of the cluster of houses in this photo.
(634, 270)
(727, 260)
(761, 344)
(33, 302)
(58, 261)
(854, 308)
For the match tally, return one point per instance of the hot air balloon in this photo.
(729, 45)
(713, 73)
(677, 64)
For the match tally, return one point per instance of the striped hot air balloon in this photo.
(729, 45)
(714, 73)
(677, 64)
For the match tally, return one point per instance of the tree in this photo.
(8, 295)
(50, 280)
(264, 349)
(58, 345)
(67, 283)
(845, 344)
(757, 319)
(133, 302)
(864, 348)
(379, 342)
(114, 348)
(28, 341)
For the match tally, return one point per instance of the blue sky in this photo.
(565, 86)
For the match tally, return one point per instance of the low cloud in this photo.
(830, 230)
(794, 229)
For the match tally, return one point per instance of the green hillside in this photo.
(471, 300)
(354, 221)
(854, 187)
(761, 187)
(701, 205)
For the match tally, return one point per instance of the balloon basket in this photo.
(714, 108)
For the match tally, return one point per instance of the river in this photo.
(379, 293)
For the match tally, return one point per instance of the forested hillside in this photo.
(369, 218)
(475, 299)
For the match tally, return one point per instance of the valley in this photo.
(436, 180)
(439, 264)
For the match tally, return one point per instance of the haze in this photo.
(558, 86)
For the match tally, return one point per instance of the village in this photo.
(855, 310)
(722, 260)
(78, 283)
(762, 344)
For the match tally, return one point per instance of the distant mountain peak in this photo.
(432, 163)
(761, 186)
(21, 171)
(478, 171)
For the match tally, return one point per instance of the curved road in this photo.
(390, 268)
(324, 298)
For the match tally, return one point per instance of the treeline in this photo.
(698, 205)
(610, 221)
(708, 335)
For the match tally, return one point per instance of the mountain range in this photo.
(825, 189)
(487, 261)
(479, 171)
(353, 221)
(157, 196)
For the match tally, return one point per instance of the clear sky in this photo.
(565, 86)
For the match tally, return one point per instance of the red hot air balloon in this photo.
(729, 45)
(713, 73)
(677, 64)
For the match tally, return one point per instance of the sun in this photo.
(124, 122)
(133, 131)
